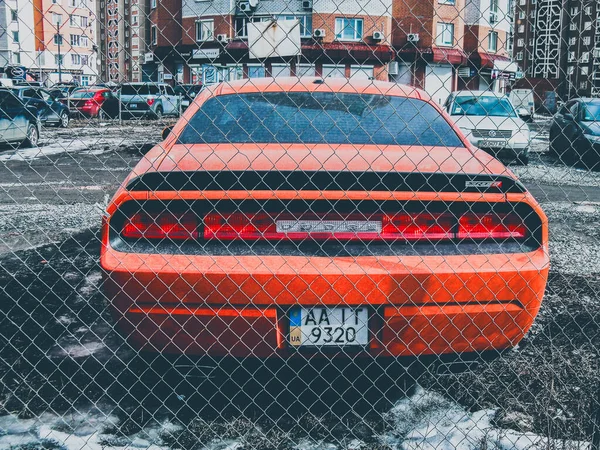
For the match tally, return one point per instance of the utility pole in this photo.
(59, 41)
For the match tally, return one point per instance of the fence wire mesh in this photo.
(299, 224)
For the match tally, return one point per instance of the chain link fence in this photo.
(299, 224)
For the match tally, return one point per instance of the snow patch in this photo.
(83, 350)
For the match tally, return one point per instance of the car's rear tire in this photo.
(102, 115)
(159, 113)
(64, 120)
(33, 136)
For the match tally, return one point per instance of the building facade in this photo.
(557, 43)
(17, 41)
(65, 41)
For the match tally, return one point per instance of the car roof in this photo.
(478, 93)
(316, 84)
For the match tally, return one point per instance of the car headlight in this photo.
(592, 138)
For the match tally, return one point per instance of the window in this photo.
(596, 53)
(492, 41)
(520, 42)
(75, 59)
(596, 75)
(153, 35)
(330, 118)
(305, 24)
(584, 70)
(16, 58)
(85, 60)
(521, 28)
(571, 56)
(520, 56)
(572, 40)
(280, 70)
(587, 26)
(58, 39)
(256, 71)
(522, 2)
(152, 4)
(71, 20)
(305, 70)
(362, 72)
(587, 40)
(493, 11)
(241, 25)
(585, 57)
(75, 40)
(134, 20)
(572, 26)
(14, 16)
(531, 42)
(583, 85)
(588, 10)
(15, 36)
(57, 19)
(574, 11)
(521, 14)
(84, 41)
(205, 30)
(445, 34)
(83, 20)
(570, 70)
(58, 60)
(333, 71)
(348, 29)
(446, 2)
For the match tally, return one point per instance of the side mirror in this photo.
(166, 132)
(522, 112)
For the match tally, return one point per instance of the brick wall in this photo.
(370, 25)
(223, 25)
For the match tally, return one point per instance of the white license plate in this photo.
(329, 326)
(489, 143)
(185, 103)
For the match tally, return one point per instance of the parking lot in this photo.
(69, 379)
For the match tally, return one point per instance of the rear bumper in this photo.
(238, 305)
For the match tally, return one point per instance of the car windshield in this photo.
(82, 94)
(139, 89)
(591, 112)
(319, 117)
(482, 106)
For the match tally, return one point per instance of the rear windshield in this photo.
(139, 89)
(82, 94)
(318, 117)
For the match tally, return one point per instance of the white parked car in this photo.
(491, 123)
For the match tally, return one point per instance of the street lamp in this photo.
(59, 41)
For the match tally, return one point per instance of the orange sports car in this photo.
(306, 216)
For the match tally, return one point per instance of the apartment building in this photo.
(207, 41)
(123, 30)
(17, 41)
(65, 41)
(557, 43)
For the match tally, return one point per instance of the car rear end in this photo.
(285, 251)
(139, 100)
(86, 103)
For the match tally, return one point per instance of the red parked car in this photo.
(94, 102)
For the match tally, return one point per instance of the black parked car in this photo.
(188, 93)
(49, 109)
(18, 122)
(575, 132)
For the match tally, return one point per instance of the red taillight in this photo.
(98, 97)
(161, 226)
(414, 227)
(491, 226)
(150, 101)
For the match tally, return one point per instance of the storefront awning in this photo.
(484, 60)
(448, 55)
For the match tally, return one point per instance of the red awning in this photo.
(448, 55)
(342, 50)
(486, 60)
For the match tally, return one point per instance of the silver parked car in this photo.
(490, 122)
(153, 100)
